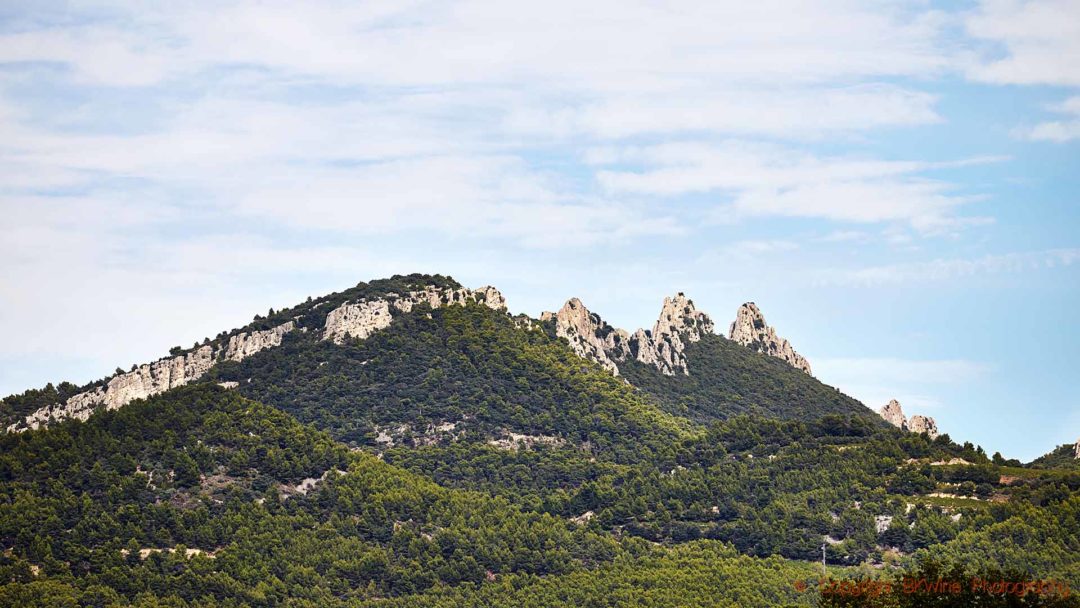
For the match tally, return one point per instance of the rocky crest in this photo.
(679, 325)
(152, 378)
(894, 415)
(350, 319)
(1077, 451)
(750, 330)
(361, 319)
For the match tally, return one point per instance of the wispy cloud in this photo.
(1040, 40)
(948, 269)
(766, 180)
(1059, 131)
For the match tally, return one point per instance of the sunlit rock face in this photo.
(894, 415)
(750, 330)
(589, 336)
(679, 325)
(923, 424)
(243, 345)
(361, 319)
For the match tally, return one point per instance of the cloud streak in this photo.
(950, 269)
(764, 180)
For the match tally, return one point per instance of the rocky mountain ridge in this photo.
(894, 415)
(351, 319)
(680, 324)
(663, 346)
(358, 313)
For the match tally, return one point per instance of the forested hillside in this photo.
(201, 494)
(727, 379)
(459, 456)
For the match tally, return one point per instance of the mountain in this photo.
(410, 442)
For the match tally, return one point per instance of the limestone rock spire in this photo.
(750, 330)
(679, 324)
(894, 415)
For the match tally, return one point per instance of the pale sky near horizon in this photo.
(895, 184)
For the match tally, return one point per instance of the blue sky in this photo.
(895, 184)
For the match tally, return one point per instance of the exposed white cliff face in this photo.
(750, 330)
(158, 377)
(679, 325)
(358, 320)
(923, 424)
(436, 297)
(243, 345)
(152, 378)
(589, 336)
(894, 415)
(1077, 450)
(361, 319)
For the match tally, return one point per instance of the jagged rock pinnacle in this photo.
(679, 324)
(894, 415)
(750, 330)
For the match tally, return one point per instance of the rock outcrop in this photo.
(1077, 449)
(152, 378)
(923, 424)
(894, 415)
(750, 330)
(243, 345)
(358, 320)
(679, 325)
(361, 319)
(589, 336)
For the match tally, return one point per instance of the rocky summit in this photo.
(750, 330)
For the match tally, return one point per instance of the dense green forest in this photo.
(727, 379)
(461, 457)
(113, 507)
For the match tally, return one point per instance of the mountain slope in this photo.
(36, 408)
(1062, 457)
(200, 494)
(727, 379)
(408, 441)
(465, 373)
